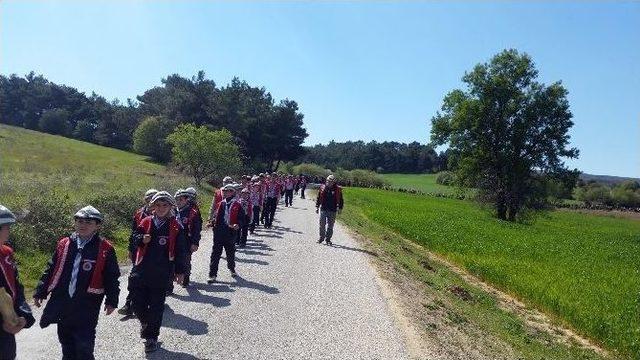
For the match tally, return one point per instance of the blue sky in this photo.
(359, 70)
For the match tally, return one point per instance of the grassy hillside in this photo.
(46, 178)
(582, 269)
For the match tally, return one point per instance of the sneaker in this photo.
(320, 241)
(234, 273)
(329, 242)
(150, 345)
(211, 280)
(125, 310)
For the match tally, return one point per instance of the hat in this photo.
(180, 192)
(149, 194)
(188, 192)
(238, 186)
(227, 180)
(163, 196)
(89, 212)
(244, 191)
(255, 178)
(331, 178)
(6, 216)
(191, 191)
(229, 187)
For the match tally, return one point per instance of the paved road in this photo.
(295, 299)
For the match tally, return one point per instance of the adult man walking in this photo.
(329, 202)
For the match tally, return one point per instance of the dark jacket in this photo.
(84, 307)
(330, 198)
(192, 223)
(223, 231)
(140, 214)
(156, 268)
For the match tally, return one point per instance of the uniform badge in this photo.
(87, 266)
(162, 240)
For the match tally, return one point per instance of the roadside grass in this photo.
(582, 270)
(46, 178)
(425, 183)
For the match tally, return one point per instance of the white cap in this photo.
(89, 212)
(6, 216)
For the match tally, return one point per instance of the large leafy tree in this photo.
(203, 153)
(507, 133)
(150, 138)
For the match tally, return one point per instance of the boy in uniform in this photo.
(226, 224)
(141, 213)
(191, 220)
(256, 197)
(83, 271)
(160, 248)
(10, 282)
(245, 217)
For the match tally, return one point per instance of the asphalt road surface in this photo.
(294, 299)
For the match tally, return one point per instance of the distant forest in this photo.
(382, 157)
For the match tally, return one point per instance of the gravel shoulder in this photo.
(294, 299)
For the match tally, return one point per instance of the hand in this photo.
(37, 302)
(15, 329)
(317, 210)
(146, 238)
(108, 309)
(194, 248)
(179, 279)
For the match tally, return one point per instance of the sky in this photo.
(359, 70)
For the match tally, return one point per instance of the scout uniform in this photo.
(226, 224)
(192, 223)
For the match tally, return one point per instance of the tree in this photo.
(202, 153)
(54, 122)
(150, 138)
(506, 133)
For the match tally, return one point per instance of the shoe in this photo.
(234, 273)
(125, 310)
(150, 345)
(320, 241)
(329, 242)
(211, 280)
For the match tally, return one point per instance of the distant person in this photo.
(303, 185)
(289, 185)
(160, 250)
(81, 273)
(226, 225)
(329, 202)
(256, 197)
(217, 197)
(10, 282)
(141, 213)
(191, 220)
(245, 217)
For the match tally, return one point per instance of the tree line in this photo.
(382, 157)
(266, 131)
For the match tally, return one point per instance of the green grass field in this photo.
(584, 270)
(423, 182)
(59, 175)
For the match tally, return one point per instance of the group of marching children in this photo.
(83, 269)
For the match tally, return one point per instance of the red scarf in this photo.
(8, 266)
(147, 225)
(96, 285)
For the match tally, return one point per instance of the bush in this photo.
(55, 122)
(311, 170)
(150, 138)
(446, 178)
(367, 178)
(625, 197)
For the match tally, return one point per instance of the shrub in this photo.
(311, 170)
(446, 178)
(150, 138)
(367, 178)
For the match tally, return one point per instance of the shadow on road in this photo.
(212, 287)
(338, 246)
(181, 322)
(196, 296)
(249, 261)
(242, 282)
(167, 354)
(251, 252)
(283, 228)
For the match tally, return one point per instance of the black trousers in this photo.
(7, 346)
(302, 189)
(77, 340)
(270, 208)
(148, 305)
(256, 218)
(288, 197)
(220, 242)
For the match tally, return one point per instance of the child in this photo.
(83, 270)
(245, 218)
(10, 282)
(226, 224)
(143, 212)
(256, 198)
(160, 246)
(191, 220)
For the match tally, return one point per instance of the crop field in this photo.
(582, 269)
(423, 182)
(46, 178)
